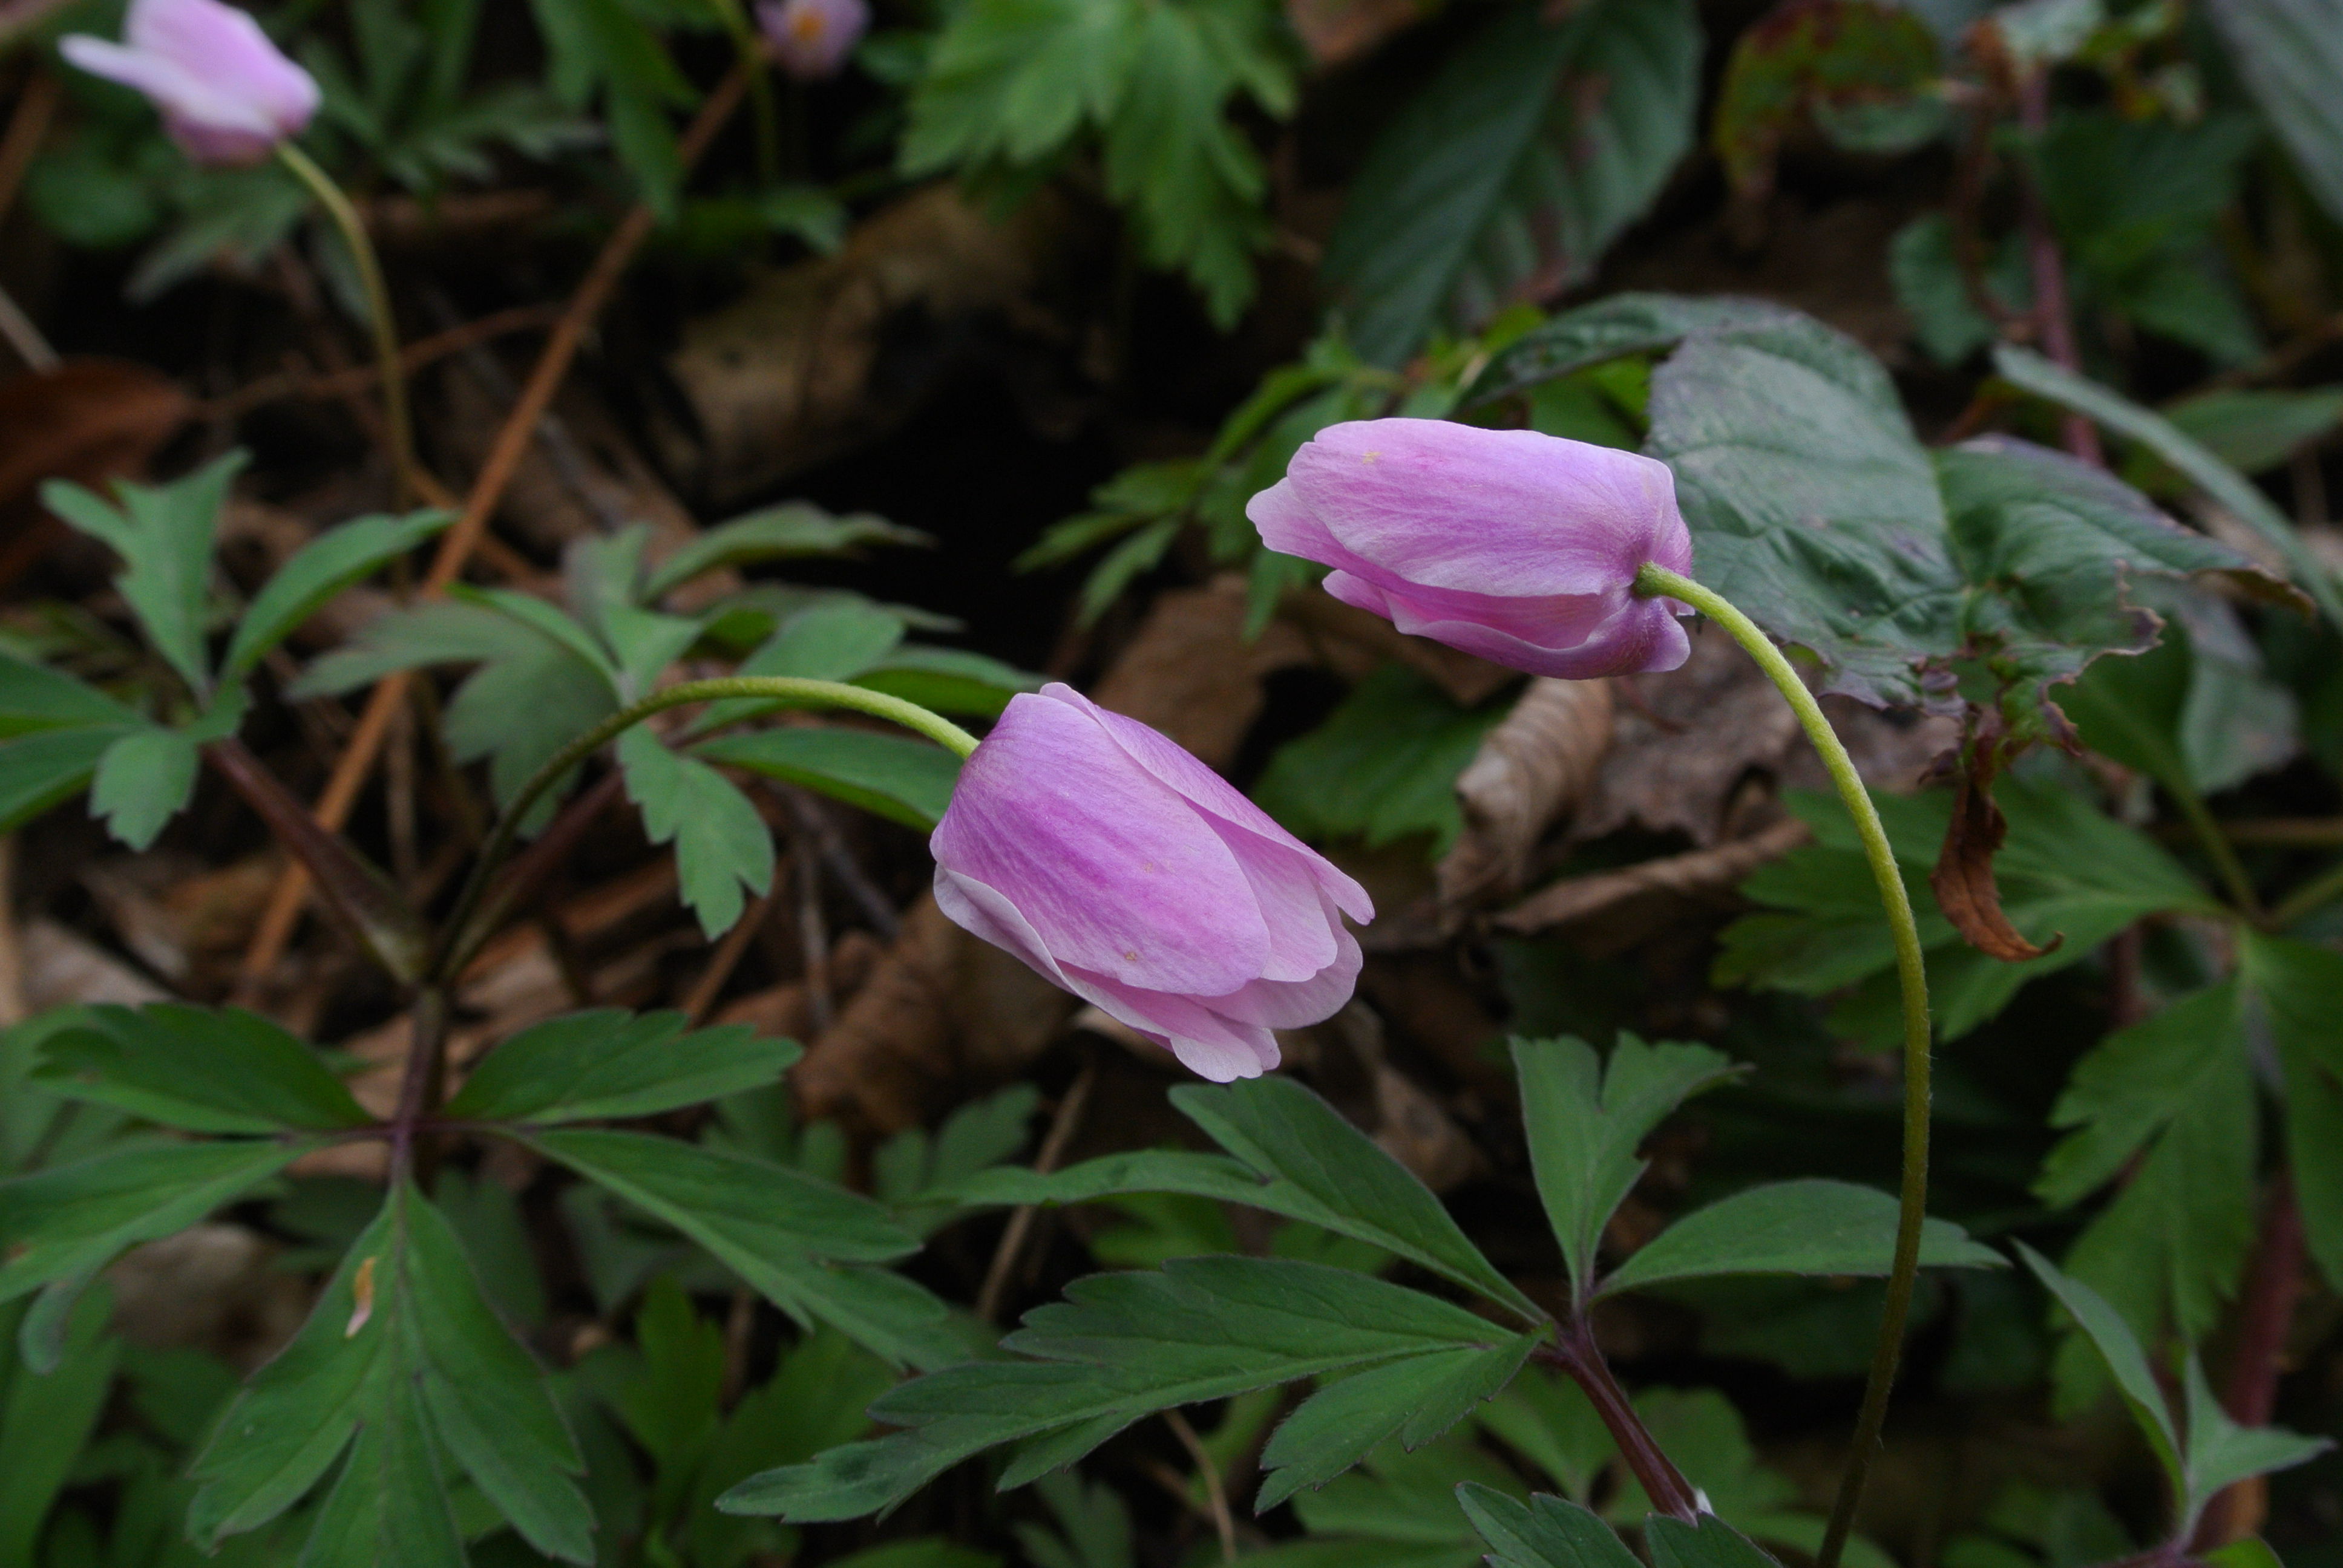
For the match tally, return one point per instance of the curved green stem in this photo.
(455, 945)
(1911, 969)
(399, 428)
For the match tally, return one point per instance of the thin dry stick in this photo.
(727, 958)
(357, 378)
(1020, 1220)
(813, 821)
(1208, 1470)
(35, 106)
(456, 544)
(813, 936)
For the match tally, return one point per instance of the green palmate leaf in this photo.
(1810, 1227)
(2300, 989)
(164, 534)
(1013, 79)
(2137, 1083)
(2230, 489)
(603, 48)
(207, 1071)
(793, 530)
(1120, 1347)
(1710, 1543)
(1548, 1420)
(779, 1229)
(404, 1355)
(46, 1416)
(1585, 1122)
(721, 845)
(1547, 1532)
(2220, 1452)
(142, 781)
(1414, 1400)
(318, 570)
(905, 781)
(608, 1064)
(1383, 767)
(33, 697)
(2119, 1349)
(1510, 173)
(836, 640)
(66, 1222)
(2291, 54)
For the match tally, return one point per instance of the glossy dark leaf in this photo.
(1806, 1227)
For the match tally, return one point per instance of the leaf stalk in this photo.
(1912, 973)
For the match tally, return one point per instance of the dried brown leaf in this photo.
(1538, 763)
(1695, 875)
(1963, 879)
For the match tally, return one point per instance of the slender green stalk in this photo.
(399, 428)
(455, 945)
(1911, 969)
(2219, 850)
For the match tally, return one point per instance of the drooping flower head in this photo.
(227, 94)
(1520, 548)
(812, 38)
(1132, 875)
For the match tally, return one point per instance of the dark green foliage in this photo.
(1381, 767)
(610, 1064)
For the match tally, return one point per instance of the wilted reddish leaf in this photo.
(1963, 879)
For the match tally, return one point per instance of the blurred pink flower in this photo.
(813, 38)
(1129, 873)
(1520, 548)
(227, 94)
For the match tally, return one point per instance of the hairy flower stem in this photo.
(460, 936)
(1911, 970)
(398, 427)
(1577, 1355)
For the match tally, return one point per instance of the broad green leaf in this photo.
(2220, 1452)
(39, 770)
(225, 1070)
(896, 777)
(1321, 1169)
(1509, 174)
(948, 680)
(46, 1417)
(2137, 1081)
(555, 625)
(2299, 990)
(1118, 1348)
(2231, 490)
(608, 1064)
(2197, 713)
(2291, 54)
(1547, 1532)
(721, 845)
(778, 1229)
(1612, 329)
(1013, 79)
(143, 781)
(403, 1353)
(1808, 1227)
(164, 534)
(1586, 1121)
(2256, 429)
(1399, 1498)
(2119, 1347)
(1414, 1400)
(66, 1222)
(834, 641)
(35, 697)
(1383, 767)
(792, 530)
(1710, 1543)
(318, 570)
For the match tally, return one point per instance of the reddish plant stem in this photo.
(2264, 1316)
(2053, 320)
(1575, 1352)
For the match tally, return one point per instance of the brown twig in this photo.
(726, 958)
(2265, 1317)
(1208, 1470)
(1020, 1220)
(456, 544)
(1576, 1353)
(357, 380)
(813, 936)
(814, 822)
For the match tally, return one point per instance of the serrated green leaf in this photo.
(1510, 173)
(68, 1221)
(892, 776)
(164, 534)
(321, 569)
(390, 1503)
(1414, 1400)
(1586, 1121)
(1547, 1532)
(1548, 1420)
(721, 845)
(143, 781)
(2299, 990)
(2119, 1349)
(948, 680)
(2136, 1083)
(2220, 1452)
(1807, 1227)
(205, 1071)
(46, 1416)
(1383, 767)
(793, 530)
(40, 770)
(1014, 79)
(2232, 490)
(33, 697)
(610, 1064)
(1710, 1543)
